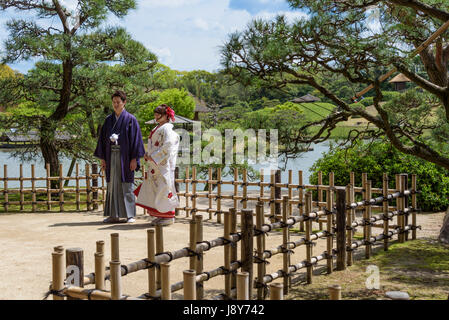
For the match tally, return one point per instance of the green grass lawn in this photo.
(418, 267)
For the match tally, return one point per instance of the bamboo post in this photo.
(320, 195)
(115, 251)
(189, 284)
(209, 189)
(194, 195)
(5, 186)
(243, 290)
(334, 292)
(286, 240)
(219, 195)
(227, 253)
(187, 192)
(247, 245)
(352, 182)
(103, 184)
(233, 213)
(245, 189)
(414, 206)
(406, 206)
(290, 191)
(236, 188)
(116, 286)
(47, 170)
(276, 291)
(99, 271)
(349, 218)
(58, 273)
(262, 192)
(272, 197)
(385, 209)
(33, 188)
(329, 238)
(401, 209)
(61, 188)
(278, 195)
(308, 225)
(341, 226)
(260, 265)
(151, 257)
(159, 249)
(192, 243)
(21, 187)
(367, 224)
(100, 246)
(199, 263)
(398, 205)
(88, 190)
(77, 182)
(94, 184)
(301, 199)
(166, 288)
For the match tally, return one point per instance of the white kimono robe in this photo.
(157, 193)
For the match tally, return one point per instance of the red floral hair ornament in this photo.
(170, 113)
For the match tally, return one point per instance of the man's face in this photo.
(118, 104)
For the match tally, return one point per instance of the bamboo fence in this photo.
(241, 280)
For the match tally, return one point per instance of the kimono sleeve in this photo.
(100, 151)
(168, 146)
(137, 149)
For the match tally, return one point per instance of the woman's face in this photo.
(160, 118)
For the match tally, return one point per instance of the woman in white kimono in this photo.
(157, 193)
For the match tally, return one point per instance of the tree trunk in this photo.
(49, 151)
(444, 232)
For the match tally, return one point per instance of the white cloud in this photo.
(201, 23)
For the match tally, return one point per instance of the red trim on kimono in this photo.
(154, 213)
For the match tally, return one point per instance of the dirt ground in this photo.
(27, 241)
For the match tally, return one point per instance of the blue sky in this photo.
(185, 34)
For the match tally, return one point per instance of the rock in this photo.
(444, 232)
(397, 295)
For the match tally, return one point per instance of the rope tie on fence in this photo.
(244, 199)
(415, 227)
(89, 293)
(206, 242)
(269, 252)
(328, 212)
(309, 243)
(217, 197)
(366, 222)
(58, 293)
(167, 253)
(192, 253)
(126, 269)
(329, 255)
(285, 250)
(258, 232)
(219, 212)
(225, 241)
(207, 274)
(151, 264)
(239, 235)
(260, 284)
(388, 235)
(369, 242)
(147, 295)
(328, 234)
(260, 260)
(269, 227)
(227, 271)
(300, 205)
(386, 217)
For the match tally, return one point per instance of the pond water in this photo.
(303, 163)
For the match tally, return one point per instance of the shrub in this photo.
(380, 157)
